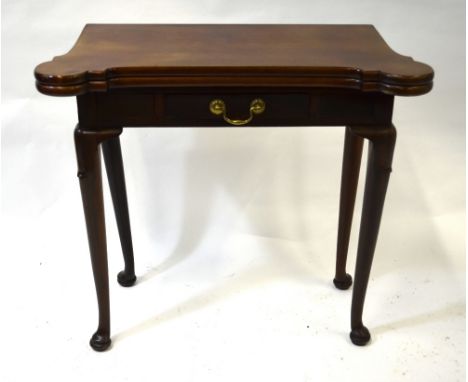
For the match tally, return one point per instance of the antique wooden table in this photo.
(233, 75)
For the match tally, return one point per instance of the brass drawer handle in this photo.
(218, 107)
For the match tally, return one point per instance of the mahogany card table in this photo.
(233, 76)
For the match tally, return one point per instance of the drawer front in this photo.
(179, 108)
(279, 109)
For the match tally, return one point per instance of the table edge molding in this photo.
(346, 78)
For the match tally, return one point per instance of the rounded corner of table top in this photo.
(51, 81)
(411, 84)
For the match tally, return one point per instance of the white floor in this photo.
(234, 234)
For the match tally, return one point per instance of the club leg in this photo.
(115, 174)
(89, 174)
(381, 145)
(349, 180)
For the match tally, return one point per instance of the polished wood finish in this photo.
(379, 165)
(167, 75)
(114, 56)
(89, 174)
(180, 107)
(115, 174)
(349, 181)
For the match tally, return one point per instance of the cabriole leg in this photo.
(115, 174)
(89, 173)
(349, 180)
(381, 145)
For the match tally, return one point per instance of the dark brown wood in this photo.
(89, 174)
(167, 76)
(190, 107)
(327, 56)
(349, 182)
(379, 166)
(115, 174)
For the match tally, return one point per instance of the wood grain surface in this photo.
(144, 55)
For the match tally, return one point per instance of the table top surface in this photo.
(325, 56)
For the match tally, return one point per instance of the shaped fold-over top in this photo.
(108, 56)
